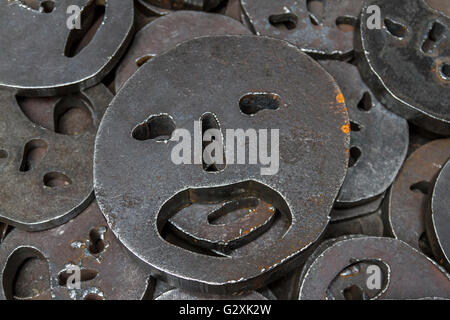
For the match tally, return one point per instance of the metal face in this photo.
(438, 219)
(407, 199)
(338, 269)
(166, 32)
(322, 28)
(407, 62)
(379, 139)
(107, 269)
(74, 58)
(46, 169)
(139, 188)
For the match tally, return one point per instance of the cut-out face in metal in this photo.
(225, 82)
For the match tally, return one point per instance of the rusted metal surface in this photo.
(323, 29)
(407, 62)
(379, 139)
(108, 271)
(137, 210)
(338, 270)
(166, 32)
(407, 199)
(437, 220)
(28, 32)
(47, 164)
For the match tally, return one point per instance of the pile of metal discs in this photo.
(342, 108)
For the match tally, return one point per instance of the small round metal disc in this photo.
(139, 187)
(41, 56)
(407, 62)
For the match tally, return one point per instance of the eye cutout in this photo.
(144, 59)
(85, 275)
(288, 19)
(96, 242)
(347, 23)
(47, 6)
(365, 104)
(3, 154)
(355, 127)
(159, 128)
(396, 29)
(252, 103)
(423, 187)
(435, 34)
(444, 71)
(355, 154)
(35, 5)
(56, 180)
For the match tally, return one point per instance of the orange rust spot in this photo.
(340, 98)
(346, 128)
